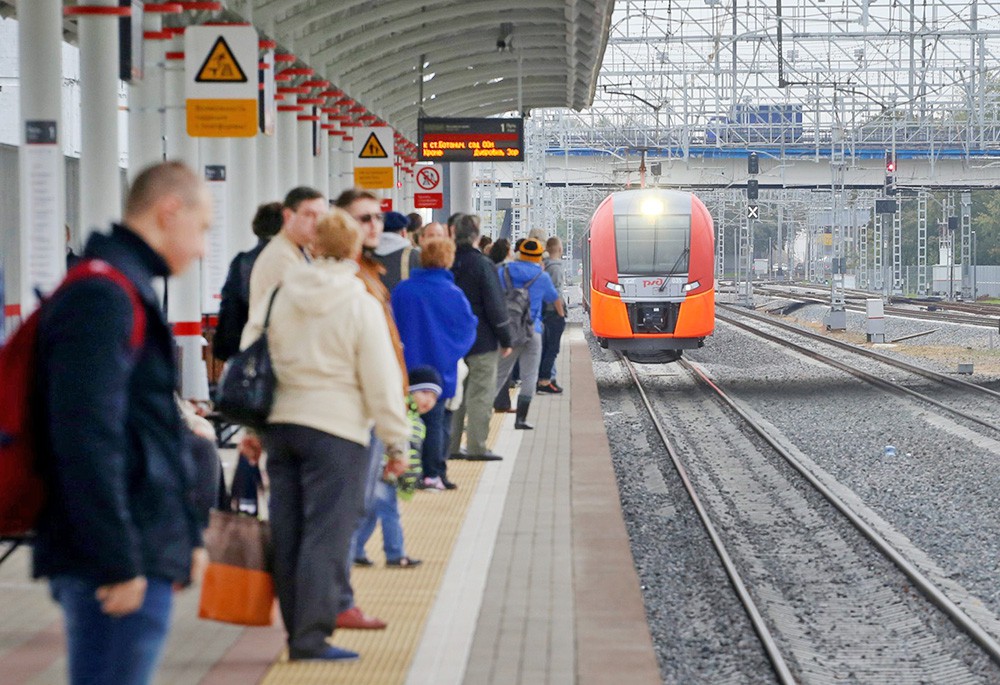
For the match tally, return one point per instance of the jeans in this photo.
(386, 510)
(480, 386)
(552, 331)
(104, 650)
(529, 354)
(432, 456)
(317, 498)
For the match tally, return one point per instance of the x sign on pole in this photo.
(753, 212)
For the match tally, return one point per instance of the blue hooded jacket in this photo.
(435, 322)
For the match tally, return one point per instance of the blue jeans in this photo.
(104, 650)
(432, 456)
(386, 510)
(553, 326)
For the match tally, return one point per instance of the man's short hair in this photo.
(452, 219)
(437, 253)
(415, 222)
(553, 243)
(267, 221)
(352, 195)
(466, 229)
(165, 178)
(297, 196)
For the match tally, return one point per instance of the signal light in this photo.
(753, 163)
(752, 189)
(890, 163)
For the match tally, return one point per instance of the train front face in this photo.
(651, 280)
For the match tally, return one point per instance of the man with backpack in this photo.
(526, 287)
(119, 530)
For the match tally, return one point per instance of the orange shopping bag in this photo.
(238, 587)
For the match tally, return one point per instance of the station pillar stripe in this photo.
(164, 7)
(12, 310)
(96, 11)
(187, 328)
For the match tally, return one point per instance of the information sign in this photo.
(221, 97)
(471, 140)
(428, 179)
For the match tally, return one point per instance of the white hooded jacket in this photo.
(332, 355)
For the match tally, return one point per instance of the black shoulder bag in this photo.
(246, 388)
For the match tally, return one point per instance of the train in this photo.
(648, 274)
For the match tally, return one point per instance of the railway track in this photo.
(968, 393)
(796, 646)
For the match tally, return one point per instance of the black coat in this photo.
(121, 493)
(477, 276)
(234, 308)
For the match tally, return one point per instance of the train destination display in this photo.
(471, 140)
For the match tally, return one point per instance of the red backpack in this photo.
(22, 490)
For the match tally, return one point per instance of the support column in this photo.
(35, 252)
(304, 143)
(966, 225)
(267, 168)
(461, 187)
(287, 148)
(218, 173)
(243, 197)
(184, 291)
(100, 181)
(897, 249)
(321, 162)
(347, 163)
(922, 242)
(145, 100)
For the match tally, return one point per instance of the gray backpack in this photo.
(522, 323)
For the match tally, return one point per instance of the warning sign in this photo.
(373, 149)
(428, 178)
(220, 66)
(373, 155)
(220, 101)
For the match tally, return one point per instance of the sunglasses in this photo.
(365, 218)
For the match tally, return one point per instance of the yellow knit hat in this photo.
(531, 250)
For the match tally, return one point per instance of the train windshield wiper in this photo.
(666, 278)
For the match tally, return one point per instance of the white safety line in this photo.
(443, 652)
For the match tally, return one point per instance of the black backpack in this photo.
(522, 323)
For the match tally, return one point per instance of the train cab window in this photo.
(652, 244)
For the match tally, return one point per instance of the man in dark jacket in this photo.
(234, 308)
(476, 275)
(120, 528)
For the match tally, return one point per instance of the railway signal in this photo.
(753, 163)
(890, 173)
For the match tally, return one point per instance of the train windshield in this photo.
(652, 244)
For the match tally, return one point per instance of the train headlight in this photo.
(688, 287)
(614, 286)
(651, 206)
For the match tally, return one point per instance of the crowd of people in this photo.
(390, 341)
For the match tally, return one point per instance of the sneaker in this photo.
(555, 385)
(548, 388)
(448, 485)
(431, 484)
(403, 562)
(363, 562)
(328, 653)
(485, 456)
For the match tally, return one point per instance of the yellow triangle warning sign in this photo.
(373, 148)
(220, 66)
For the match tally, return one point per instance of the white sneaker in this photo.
(432, 484)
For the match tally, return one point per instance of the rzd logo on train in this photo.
(657, 281)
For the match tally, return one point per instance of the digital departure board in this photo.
(470, 140)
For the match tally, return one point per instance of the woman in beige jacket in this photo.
(337, 378)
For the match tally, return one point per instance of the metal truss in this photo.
(691, 76)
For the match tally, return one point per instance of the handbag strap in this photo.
(270, 304)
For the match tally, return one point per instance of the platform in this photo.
(527, 578)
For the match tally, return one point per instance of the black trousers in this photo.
(317, 497)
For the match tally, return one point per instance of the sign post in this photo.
(373, 158)
(221, 93)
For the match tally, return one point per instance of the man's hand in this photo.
(199, 562)
(251, 448)
(397, 462)
(505, 351)
(122, 599)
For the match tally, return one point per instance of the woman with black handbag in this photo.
(337, 377)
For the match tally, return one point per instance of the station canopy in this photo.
(472, 58)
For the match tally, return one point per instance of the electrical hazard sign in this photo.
(373, 149)
(220, 100)
(220, 66)
(374, 153)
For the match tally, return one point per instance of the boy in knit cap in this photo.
(425, 387)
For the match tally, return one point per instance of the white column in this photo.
(287, 148)
(34, 251)
(145, 102)
(184, 291)
(243, 198)
(321, 163)
(267, 168)
(304, 135)
(408, 190)
(100, 184)
(217, 170)
(347, 165)
(461, 187)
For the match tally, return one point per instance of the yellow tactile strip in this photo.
(402, 597)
